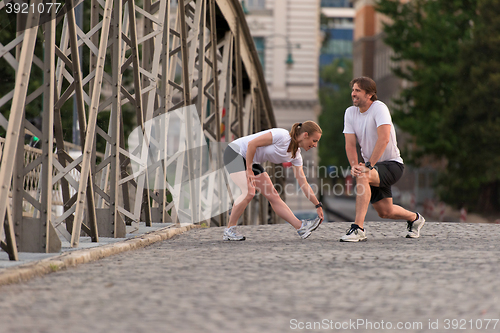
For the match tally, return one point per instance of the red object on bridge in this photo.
(463, 215)
(441, 212)
(412, 202)
(429, 207)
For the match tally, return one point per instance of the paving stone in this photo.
(195, 282)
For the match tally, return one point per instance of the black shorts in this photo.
(234, 162)
(389, 173)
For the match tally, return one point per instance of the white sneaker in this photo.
(231, 234)
(308, 226)
(415, 226)
(354, 234)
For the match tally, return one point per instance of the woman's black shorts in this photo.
(234, 162)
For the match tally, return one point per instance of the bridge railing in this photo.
(127, 58)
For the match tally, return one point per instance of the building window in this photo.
(260, 45)
(339, 43)
(339, 48)
(255, 4)
(336, 3)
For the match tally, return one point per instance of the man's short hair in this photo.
(366, 84)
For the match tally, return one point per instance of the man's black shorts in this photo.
(234, 162)
(389, 173)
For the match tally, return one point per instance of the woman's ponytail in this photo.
(297, 129)
(294, 133)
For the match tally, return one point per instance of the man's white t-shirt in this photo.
(365, 125)
(275, 153)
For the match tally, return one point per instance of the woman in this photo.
(243, 158)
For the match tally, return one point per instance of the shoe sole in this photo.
(232, 239)
(354, 241)
(304, 237)
(310, 232)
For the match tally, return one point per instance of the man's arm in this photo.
(384, 134)
(350, 149)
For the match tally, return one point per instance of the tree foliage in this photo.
(447, 50)
(473, 174)
(335, 97)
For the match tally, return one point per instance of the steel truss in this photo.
(173, 54)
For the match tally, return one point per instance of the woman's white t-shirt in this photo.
(365, 125)
(275, 152)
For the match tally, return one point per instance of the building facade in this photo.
(287, 36)
(372, 57)
(337, 26)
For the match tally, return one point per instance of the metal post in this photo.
(9, 245)
(90, 135)
(216, 92)
(187, 101)
(117, 224)
(48, 238)
(15, 130)
(165, 206)
(81, 119)
(239, 80)
(78, 13)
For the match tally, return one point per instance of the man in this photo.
(369, 122)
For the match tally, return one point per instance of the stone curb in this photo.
(77, 257)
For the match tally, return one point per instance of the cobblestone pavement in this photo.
(275, 282)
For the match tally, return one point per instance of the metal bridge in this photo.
(150, 56)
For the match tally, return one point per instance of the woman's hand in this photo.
(250, 178)
(319, 210)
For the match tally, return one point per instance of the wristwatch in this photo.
(368, 165)
(319, 205)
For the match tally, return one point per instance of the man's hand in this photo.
(359, 169)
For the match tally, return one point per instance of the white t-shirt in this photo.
(365, 125)
(275, 153)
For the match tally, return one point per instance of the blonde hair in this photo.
(309, 127)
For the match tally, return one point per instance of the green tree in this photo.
(473, 174)
(446, 50)
(426, 37)
(335, 98)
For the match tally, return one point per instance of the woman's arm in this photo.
(261, 140)
(306, 188)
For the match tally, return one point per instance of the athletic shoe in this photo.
(354, 234)
(308, 226)
(415, 226)
(231, 234)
